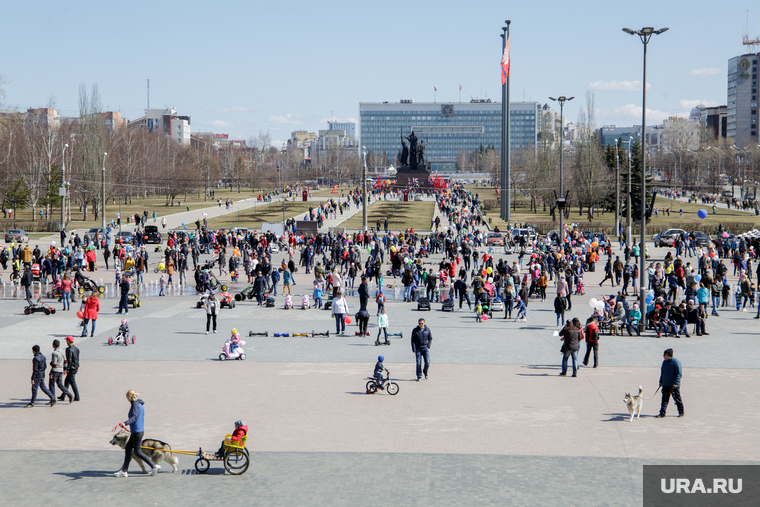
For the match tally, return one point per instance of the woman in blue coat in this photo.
(136, 423)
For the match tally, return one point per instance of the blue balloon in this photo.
(702, 214)
(697, 278)
(183, 225)
(650, 298)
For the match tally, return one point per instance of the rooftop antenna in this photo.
(752, 45)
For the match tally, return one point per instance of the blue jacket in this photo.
(670, 373)
(136, 416)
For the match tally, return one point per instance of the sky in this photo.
(245, 68)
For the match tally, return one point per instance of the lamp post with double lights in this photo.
(62, 190)
(562, 199)
(645, 34)
(103, 209)
(364, 191)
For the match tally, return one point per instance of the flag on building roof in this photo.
(460, 88)
(505, 63)
(435, 88)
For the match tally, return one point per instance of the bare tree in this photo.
(591, 178)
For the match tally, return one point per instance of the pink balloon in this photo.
(485, 317)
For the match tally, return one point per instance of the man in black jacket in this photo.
(422, 339)
(124, 287)
(71, 368)
(363, 294)
(39, 364)
(26, 283)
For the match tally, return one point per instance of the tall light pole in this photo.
(62, 190)
(364, 191)
(561, 200)
(617, 189)
(628, 201)
(644, 34)
(506, 170)
(103, 210)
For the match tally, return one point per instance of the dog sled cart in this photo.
(236, 458)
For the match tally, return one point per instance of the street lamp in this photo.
(62, 190)
(562, 199)
(644, 34)
(103, 210)
(364, 191)
(628, 201)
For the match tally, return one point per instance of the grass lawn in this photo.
(151, 204)
(401, 215)
(253, 217)
(689, 220)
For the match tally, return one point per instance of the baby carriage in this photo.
(580, 287)
(305, 303)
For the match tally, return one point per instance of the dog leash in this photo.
(655, 394)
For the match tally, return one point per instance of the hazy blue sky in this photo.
(244, 67)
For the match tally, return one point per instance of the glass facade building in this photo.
(446, 128)
(742, 96)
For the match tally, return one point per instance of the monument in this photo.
(412, 171)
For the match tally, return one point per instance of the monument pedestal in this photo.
(406, 177)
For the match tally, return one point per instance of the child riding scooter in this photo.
(232, 348)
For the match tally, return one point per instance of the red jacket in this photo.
(239, 433)
(592, 333)
(91, 309)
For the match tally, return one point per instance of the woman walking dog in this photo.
(136, 423)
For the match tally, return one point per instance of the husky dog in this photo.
(122, 437)
(635, 404)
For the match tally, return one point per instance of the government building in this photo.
(447, 129)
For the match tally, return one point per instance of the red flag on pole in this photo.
(505, 63)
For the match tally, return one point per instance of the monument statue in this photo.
(412, 149)
(404, 152)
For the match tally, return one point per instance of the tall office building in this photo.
(446, 128)
(349, 127)
(742, 99)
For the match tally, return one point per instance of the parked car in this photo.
(599, 237)
(703, 239)
(179, 236)
(126, 237)
(528, 232)
(667, 238)
(494, 238)
(90, 234)
(16, 236)
(153, 236)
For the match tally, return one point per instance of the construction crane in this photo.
(752, 45)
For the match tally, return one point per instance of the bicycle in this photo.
(385, 383)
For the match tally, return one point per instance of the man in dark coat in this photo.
(670, 381)
(39, 364)
(422, 339)
(571, 336)
(363, 294)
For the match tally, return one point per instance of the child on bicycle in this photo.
(379, 368)
(241, 430)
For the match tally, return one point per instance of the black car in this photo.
(152, 235)
(702, 238)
